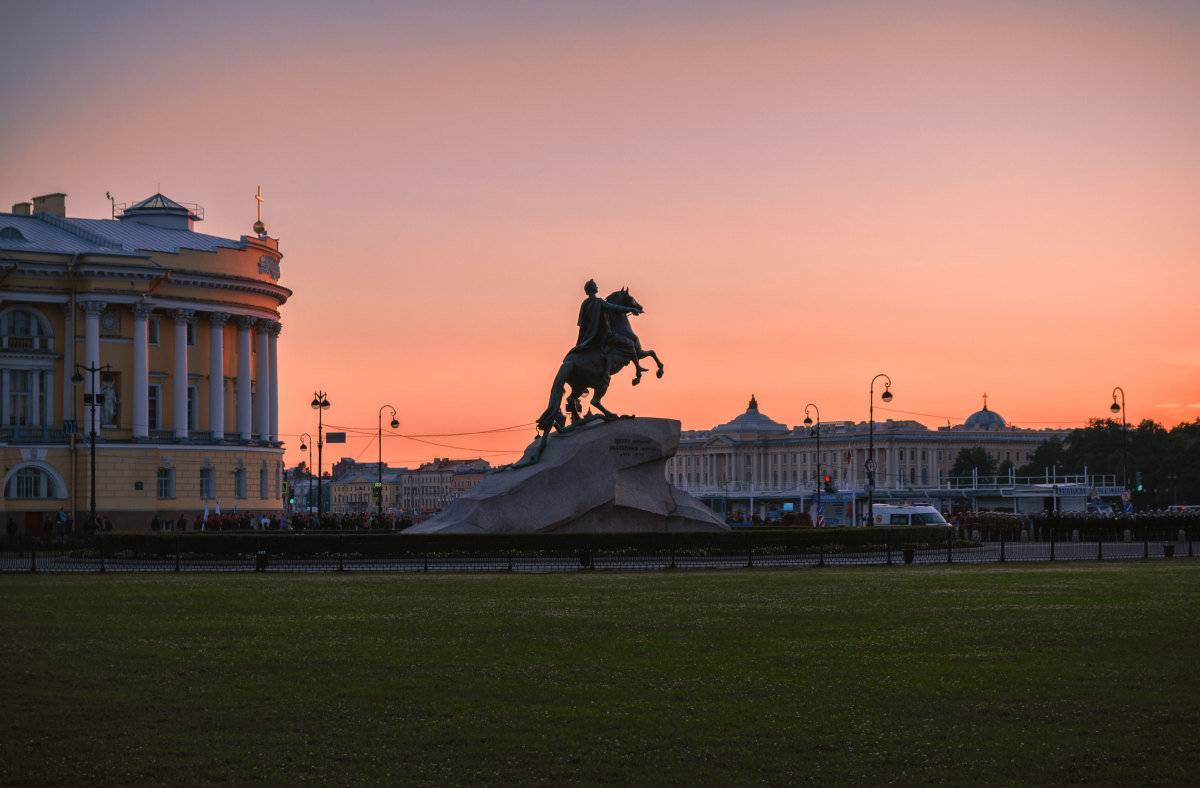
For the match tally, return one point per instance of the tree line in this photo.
(1166, 461)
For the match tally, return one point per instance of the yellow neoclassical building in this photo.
(161, 341)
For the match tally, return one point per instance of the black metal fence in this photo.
(860, 547)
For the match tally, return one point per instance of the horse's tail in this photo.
(553, 411)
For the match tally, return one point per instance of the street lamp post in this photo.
(306, 445)
(816, 431)
(92, 399)
(886, 396)
(393, 425)
(320, 404)
(1115, 408)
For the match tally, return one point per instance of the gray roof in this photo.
(44, 232)
(46, 236)
(752, 421)
(143, 237)
(985, 420)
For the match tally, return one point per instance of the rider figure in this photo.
(593, 329)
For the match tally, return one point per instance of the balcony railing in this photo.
(42, 434)
(19, 342)
(54, 434)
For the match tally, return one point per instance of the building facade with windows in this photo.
(161, 340)
(756, 465)
(416, 492)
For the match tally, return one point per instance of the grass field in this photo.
(1043, 674)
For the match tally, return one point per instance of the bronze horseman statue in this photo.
(605, 345)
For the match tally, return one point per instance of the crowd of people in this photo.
(1150, 523)
(247, 521)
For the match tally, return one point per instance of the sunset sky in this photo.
(970, 197)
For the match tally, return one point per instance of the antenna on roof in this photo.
(114, 203)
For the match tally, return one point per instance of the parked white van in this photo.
(892, 514)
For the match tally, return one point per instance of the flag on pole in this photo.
(234, 507)
(217, 501)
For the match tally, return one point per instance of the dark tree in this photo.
(975, 458)
(1049, 455)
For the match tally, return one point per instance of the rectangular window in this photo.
(193, 406)
(153, 411)
(207, 489)
(263, 489)
(239, 483)
(20, 399)
(152, 332)
(191, 334)
(29, 483)
(166, 482)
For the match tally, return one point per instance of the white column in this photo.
(243, 382)
(262, 406)
(141, 373)
(68, 361)
(91, 357)
(179, 380)
(273, 347)
(216, 375)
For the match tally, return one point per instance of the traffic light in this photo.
(1139, 482)
(376, 490)
(829, 488)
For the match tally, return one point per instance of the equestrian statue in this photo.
(605, 345)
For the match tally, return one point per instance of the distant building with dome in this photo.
(756, 465)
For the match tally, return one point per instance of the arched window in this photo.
(31, 482)
(26, 369)
(25, 329)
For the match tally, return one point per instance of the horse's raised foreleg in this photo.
(653, 355)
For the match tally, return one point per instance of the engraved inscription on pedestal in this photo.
(634, 448)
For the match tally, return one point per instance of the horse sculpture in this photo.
(604, 349)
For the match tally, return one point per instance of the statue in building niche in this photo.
(108, 405)
(606, 344)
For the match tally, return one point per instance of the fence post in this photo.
(888, 542)
(1051, 544)
(1001, 548)
(821, 553)
(1100, 547)
(949, 545)
(32, 559)
(1145, 546)
(101, 551)
(749, 551)
(177, 552)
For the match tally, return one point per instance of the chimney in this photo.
(23, 208)
(51, 203)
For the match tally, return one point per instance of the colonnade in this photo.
(263, 422)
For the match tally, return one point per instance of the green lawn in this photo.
(1043, 674)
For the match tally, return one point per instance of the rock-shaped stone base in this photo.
(602, 477)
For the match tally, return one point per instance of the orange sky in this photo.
(969, 197)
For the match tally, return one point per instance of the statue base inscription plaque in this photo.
(600, 477)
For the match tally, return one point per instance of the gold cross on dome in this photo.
(258, 196)
(985, 400)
